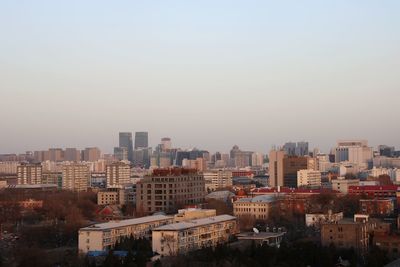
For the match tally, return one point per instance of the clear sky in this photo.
(209, 74)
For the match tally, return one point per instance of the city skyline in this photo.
(253, 74)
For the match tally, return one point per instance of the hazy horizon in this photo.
(208, 74)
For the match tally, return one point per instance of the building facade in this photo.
(101, 237)
(257, 207)
(29, 174)
(183, 237)
(309, 178)
(118, 174)
(217, 179)
(75, 177)
(169, 189)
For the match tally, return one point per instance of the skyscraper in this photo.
(141, 140)
(125, 140)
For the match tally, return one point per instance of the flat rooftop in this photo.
(195, 223)
(259, 236)
(124, 223)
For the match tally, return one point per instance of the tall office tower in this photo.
(166, 143)
(290, 148)
(56, 154)
(257, 159)
(121, 153)
(169, 190)
(91, 154)
(118, 174)
(141, 140)
(125, 140)
(283, 168)
(75, 177)
(354, 151)
(141, 157)
(293, 149)
(242, 159)
(235, 149)
(72, 154)
(29, 174)
(302, 149)
(276, 167)
(387, 151)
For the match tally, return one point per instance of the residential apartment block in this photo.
(180, 238)
(75, 177)
(118, 174)
(169, 189)
(100, 237)
(29, 174)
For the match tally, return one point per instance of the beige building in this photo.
(29, 174)
(316, 219)
(257, 207)
(193, 214)
(91, 154)
(217, 179)
(180, 238)
(308, 178)
(116, 196)
(118, 174)
(100, 237)
(342, 185)
(75, 177)
(8, 167)
(169, 189)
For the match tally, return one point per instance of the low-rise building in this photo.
(116, 196)
(377, 207)
(180, 238)
(378, 191)
(257, 207)
(272, 239)
(347, 233)
(342, 185)
(193, 214)
(217, 179)
(99, 237)
(316, 219)
(309, 178)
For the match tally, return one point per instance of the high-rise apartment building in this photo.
(125, 140)
(72, 154)
(169, 189)
(91, 154)
(56, 154)
(75, 177)
(118, 174)
(141, 140)
(29, 174)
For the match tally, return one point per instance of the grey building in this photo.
(125, 140)
(141, 140)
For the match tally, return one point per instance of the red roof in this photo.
(287, 190)
(394, 188)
